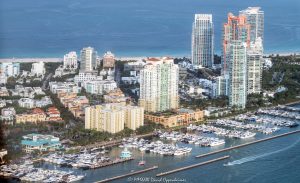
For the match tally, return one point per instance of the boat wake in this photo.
(252, 158)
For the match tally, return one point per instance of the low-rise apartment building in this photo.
(176, 118)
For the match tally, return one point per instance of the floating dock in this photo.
(126, 175)
(191, 166)
(247, 144)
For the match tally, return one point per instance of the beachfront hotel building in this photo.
(70, 60)
(108, 60)
(88, 59)
(203, 41)
(113, 118)
(159, 85)
(255, 18)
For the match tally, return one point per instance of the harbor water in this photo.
(276, 160)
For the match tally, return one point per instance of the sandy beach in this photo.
(28, 60)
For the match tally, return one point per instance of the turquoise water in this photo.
(41, 28)
(273, 161)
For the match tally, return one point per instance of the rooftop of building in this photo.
(252, 10)
(37, 111)
(170, 113)
(41, 142)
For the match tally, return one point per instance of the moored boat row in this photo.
(28, 173)
(157, 147)
(222, 132)
(191, 138)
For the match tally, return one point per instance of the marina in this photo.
(239, 125)
(247, 144)
(280, 113)
(222, 132)
(84, 160)
(191, 138)
(157, 147)
(289, 108)
(28, 173)
(268, 120)
(214, 137)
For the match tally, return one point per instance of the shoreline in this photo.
(122, 58)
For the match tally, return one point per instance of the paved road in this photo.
(46, 81)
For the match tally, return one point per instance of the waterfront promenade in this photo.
(108, 144)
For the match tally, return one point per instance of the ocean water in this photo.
(41, 28)
(273, 161)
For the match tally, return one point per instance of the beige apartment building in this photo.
(113, 117)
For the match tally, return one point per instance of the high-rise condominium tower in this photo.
(159, 85)
(236, 41)
(88, 57)
(235, 29)
(255, 18)
(237, 71)
(203, 40)
(254, 66)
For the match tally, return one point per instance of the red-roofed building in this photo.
(37, 115)
(38, 111)
(53, 114)
(152, 59)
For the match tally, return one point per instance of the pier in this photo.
(247, 144)
(127, 175)
(100, 165)
(192, 166)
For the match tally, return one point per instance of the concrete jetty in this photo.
(118, 161)
(192, 166)
(247, 144)
(127, 175)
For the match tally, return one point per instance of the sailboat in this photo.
(142, 162)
